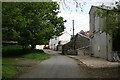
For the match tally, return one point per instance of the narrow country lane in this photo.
(58, 66)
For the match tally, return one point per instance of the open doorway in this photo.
(116, 43)
(116, 46)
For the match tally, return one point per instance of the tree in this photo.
(31, 22)
(72, 5)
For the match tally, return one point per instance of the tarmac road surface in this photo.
(58, 66)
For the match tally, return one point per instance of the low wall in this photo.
(85, 51)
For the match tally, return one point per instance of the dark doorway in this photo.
(116, 42)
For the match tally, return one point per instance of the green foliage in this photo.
(31, 22)
(16, 51)
(12, 50)
(111, 16)
(10, 47)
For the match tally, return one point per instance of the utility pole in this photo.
(73, 29)
(73, 39)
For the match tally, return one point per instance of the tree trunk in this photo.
(33, 46)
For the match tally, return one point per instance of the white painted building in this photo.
(65, 36)
(54, 42)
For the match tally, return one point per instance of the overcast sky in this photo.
(81, 19)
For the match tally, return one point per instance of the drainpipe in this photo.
(106, 46)
(106, 40)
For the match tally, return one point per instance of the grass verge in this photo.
(36, 56)
(10, 64)
(8, 70)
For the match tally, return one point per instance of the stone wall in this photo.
(84, 50)
(79, 41)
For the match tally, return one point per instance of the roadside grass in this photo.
(10, 54)
(36, 55)
(8, 70)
